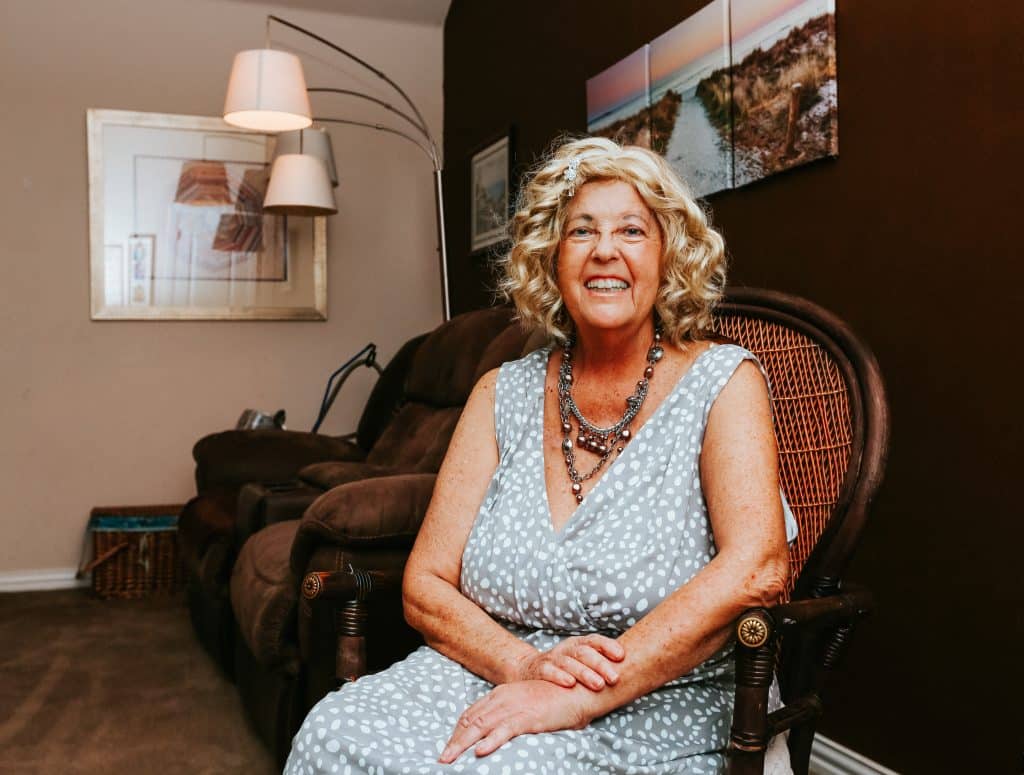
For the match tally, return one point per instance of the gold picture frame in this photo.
(176, 226)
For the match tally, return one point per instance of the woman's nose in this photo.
(606, 248)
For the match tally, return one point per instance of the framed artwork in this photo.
(738, 91)
(490, 174)
(177, 228)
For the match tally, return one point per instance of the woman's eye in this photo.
(633, 231)
(580, 231)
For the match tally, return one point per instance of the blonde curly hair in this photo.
(693, 254)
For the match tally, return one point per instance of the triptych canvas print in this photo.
(738, 91)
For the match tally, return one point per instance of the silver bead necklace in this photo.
(591, 437)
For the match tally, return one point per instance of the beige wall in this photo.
(105, 413)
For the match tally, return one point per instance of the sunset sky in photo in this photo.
(694, 37)
(623, 81)
(748, 15)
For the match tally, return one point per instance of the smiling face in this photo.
(609, 258)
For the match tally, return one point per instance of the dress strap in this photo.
(518, 392)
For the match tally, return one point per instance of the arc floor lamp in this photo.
(267, 91)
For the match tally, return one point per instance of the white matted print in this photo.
(178, 229)
(489, 182)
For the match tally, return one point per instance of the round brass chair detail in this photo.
(311, 586)
(752, 631)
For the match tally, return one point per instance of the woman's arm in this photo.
(434, 605)
(740, 480)
(739, 477)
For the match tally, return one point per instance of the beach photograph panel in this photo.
(618, 101)
(690, 94)
(784, 96)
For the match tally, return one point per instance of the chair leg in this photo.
(755, 662)
(350, 626)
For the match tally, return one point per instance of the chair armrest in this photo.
(232, 458)
(380, 513)
(756, 634)
(350, 592)
(343, 586)
(842, 607)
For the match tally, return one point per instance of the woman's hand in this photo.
(588, 659)
(514, 709)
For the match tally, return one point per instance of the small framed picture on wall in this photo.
(490, 193)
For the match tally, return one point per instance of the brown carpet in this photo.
(95, 686)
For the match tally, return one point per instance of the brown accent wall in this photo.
(105, 413)
(911, 236)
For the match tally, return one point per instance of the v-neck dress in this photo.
(640, 534)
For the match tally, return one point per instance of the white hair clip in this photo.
(571, 173)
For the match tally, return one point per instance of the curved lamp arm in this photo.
(386, 105)
(357, 60)
(420, 124)
(383, 128)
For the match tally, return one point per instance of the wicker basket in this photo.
(135, 551)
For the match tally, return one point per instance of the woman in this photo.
(607, 508)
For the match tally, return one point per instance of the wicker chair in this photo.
(832, 425)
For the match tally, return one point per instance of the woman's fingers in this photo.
(500, 735)
(610, 647)
(584, 674)
(549, 671)
(597, 662)
(471, 727)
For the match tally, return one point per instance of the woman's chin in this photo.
(606, 320)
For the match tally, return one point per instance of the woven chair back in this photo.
(818, 372)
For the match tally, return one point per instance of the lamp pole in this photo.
(415, 121)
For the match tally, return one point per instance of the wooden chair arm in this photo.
(757, 632)
(350, 591)
(840, 608)
(354, 584)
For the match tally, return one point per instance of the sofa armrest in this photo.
(232, 458)
(385, 512)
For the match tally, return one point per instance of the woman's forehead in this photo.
(607, 199)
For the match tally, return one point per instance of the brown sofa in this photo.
(211, 527)
(361, 513)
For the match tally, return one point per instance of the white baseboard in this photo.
(830, 758)
(38, 580)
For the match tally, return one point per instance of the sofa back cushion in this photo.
(445, 366)
(386, 396)
(417, 440)
(444, 369)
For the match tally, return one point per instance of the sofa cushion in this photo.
(506, 346)
(205, 520)
(417, 440)
(383, 512)
(264, 592)
(232, 458)
(260, 505)
(330, 474)
(386, 395)
(444, 369)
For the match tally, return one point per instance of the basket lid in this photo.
(133, 523)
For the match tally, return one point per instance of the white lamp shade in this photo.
(313, 141)
(267, 91)
(299, 185)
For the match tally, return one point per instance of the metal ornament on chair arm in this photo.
(600, 441)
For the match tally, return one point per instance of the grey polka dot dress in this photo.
(641, 533)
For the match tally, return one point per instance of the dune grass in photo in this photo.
(759, 90)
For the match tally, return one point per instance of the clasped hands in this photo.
(540, 697)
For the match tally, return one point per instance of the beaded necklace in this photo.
(593, 438)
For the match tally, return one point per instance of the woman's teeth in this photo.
(607, 285)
